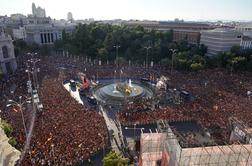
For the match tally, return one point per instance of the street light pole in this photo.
(117, 47)
(53, 155)
(29, 82)
(115, 76)
(173, 53)
(147, 54)
(22, 114)
(20, 104)
(121, 72)
(134, 128)
(35, 71)
(135, 132)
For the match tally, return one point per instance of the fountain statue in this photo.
(124, 88)
(115, 90)
(118, 92)
(130, 84)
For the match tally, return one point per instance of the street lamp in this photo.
(20, 104)
(53, 155)
(35, 71)
(115, 76)
(117, 47)
(121, 72)
(29, 82)
(147, 54)
(32, 54)
(173, 53)
(134, 128)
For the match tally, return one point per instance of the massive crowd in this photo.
(218, 96)
(66, 132)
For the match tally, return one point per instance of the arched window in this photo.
(5, 52)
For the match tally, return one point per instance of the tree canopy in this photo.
(114, 159)
(98, 41)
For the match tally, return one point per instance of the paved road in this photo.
(112, 125)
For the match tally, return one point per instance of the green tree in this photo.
(122, 60)
(196, 66)
(34, 47)
(102, 53)
(183, 64)
(238, 63)
(20, 44)
(58, 44)
(45, 50)
(1, 74)
(114, 159)
(12, 141)
(249, 64)
(198, 59)
(237, 50)
(213, 62)
(166, 62)
(6, 127)
(225, 58)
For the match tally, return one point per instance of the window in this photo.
(5, 52)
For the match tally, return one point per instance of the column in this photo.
(52, 39)
(41, 38)
(49, 39)
(45, 38)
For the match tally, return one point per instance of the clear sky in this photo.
(136, 9)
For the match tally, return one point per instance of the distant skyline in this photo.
(188, 10)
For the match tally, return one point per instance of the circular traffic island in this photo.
(119, 93)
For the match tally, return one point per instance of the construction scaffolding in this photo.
(162, 148)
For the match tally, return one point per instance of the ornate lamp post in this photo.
(173, 53)
(117, 47)
(20, 104)
(147, 54)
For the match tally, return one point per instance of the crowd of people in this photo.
(218, 96)
(66, 132)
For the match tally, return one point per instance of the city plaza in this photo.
(150, 115)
